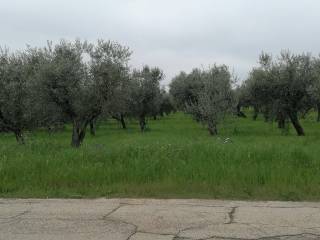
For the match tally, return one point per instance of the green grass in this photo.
(175, 159)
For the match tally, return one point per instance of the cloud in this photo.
(172, 34)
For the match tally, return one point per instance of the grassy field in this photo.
(175, 159)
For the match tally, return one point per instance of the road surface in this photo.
(144, 219)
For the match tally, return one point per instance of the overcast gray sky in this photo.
(172, 34)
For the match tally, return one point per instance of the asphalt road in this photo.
(144, 219)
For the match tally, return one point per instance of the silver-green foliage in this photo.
(206, 94)
(215, 99)
(18, 100)
(282, 87)
(145, 97)
(80, 78)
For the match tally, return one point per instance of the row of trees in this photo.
(76, 82)
(283, 89)
(79, 82)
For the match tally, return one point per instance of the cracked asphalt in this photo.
(144, 219)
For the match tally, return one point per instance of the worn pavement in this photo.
(144, 219)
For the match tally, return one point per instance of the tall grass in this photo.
(176, 158)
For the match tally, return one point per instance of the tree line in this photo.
(77, 83)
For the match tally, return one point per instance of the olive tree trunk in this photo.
(212, 128)
(281, 124)
(281, 118)
(239, 112)
(295, 122)
(78, 133)
(255, 113)
(123, 122)
(318, 108)
(93, 127)
(19, 136)
(142, 122)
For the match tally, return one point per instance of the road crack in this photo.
(231, 215)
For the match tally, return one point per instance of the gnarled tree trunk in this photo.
(123, 123)
(120, 120)
(295, 122)
(78, 133)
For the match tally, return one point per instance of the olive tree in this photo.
(215, 99)
(166, 105)
(295, 77)
(242, 100)
(17, 98)
(314, 88)
(67, 84)
(145, 93)
(80, 77)
(109, 68)
(118, 107)
(184, 88)
(258, 88)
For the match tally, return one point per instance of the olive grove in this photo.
(74, 83)
(79, 83)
